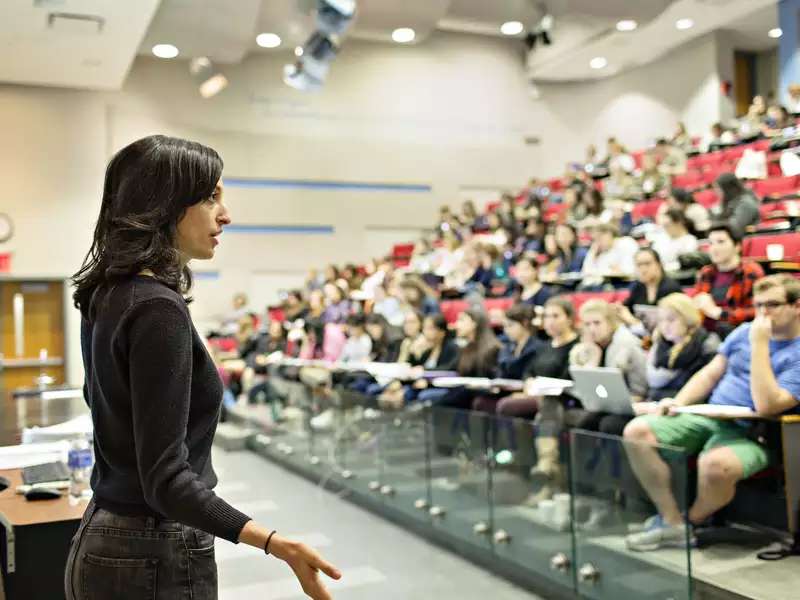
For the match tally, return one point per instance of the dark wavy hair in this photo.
(148, 186)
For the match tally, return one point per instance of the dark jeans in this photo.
(113, 557)
(607, 423)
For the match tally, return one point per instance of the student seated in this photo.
(608, 255)
(768, 348)
(435, 352)
(528, 289)
(386, 339)
(673, 238)
(477, 358)
(517, 353)
(568, 256)
(651, 285)
(739, 204)
(699, 220)
(724, 289)
(681, 347)
(550, 360)
(606, 342)
(671, 160)
(358, 346)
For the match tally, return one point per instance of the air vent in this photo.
(48, 3)
(73, 23)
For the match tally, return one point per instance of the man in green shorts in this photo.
(769, 347)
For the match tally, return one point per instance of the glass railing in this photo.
(617, 553)
(568, 512)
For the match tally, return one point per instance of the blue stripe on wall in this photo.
(206, 274)
(305, 184)
(281, 229)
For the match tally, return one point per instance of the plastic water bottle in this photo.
(80, 462)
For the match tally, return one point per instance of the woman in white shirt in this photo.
(608, 255)
(673, 238)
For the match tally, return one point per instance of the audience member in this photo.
(718, 137)
(385, 339)
(651, 180)
(609, 254)
(651, 285)
(294, 306)
(416, 295)
(673, 238)
(729, 452)
(739, 205)
(528, 288)
(606, 342)
(671, 160)
(698, 216)
(337, 307)
(681, 138)
(358, 346)
(681, 347)
(724, 289)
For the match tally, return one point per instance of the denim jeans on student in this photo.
(113, 557)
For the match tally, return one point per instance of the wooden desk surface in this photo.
(20, 511)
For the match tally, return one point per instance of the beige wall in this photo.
(451, 113)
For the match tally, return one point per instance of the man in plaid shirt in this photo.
(724, 289)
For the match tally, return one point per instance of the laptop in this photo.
(601, 389)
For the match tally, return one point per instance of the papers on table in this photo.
(25, 455)
(546, 386)
(81, 425)
(538, 386)
(719, 411)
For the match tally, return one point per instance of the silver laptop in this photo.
(601, 389)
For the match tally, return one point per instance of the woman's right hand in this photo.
(665, 406)
(306, 564)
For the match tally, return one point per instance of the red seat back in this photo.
(707, 198)
(452, 308)
(756, 246)
(646, 210)
(778, 186)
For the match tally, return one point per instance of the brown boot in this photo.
(546, 476)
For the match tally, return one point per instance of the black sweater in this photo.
(155, 398)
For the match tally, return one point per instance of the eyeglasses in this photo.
(768, 305)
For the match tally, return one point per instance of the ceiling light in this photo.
(684, 24)
(298, 51)
(268, 40)
(775, 33)
(403, 35)
(165, 51)
(598, 62)
(511, 28)
(210, 81)
(627, 25)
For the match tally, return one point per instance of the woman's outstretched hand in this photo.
(306, 564)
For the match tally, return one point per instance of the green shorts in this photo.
(697, 434)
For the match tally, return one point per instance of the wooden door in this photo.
(31, 324)
(744, 81)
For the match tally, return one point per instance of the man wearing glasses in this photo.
(768, 347)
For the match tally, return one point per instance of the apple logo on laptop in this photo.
(601, 391)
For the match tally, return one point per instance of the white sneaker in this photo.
(323, 421)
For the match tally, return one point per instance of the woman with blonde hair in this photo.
(606, 342)
(681, 346)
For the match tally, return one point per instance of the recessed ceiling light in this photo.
(165, 51)
(268, 40)
(684, 24)
(511, 28)
(403, 35)
(598, 62)
(298, 51)
(775, 33)
(627, 25)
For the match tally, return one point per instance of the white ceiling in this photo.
(77, 55)
(39, 47)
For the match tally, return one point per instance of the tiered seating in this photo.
(756, 246)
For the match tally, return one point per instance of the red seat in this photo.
(554, 212)
(707, 198)
(498, 304)
(689, 180)
(638, 157)
(492, 206)
(276, 313)
(774, 169)
(711, 159)
(784, 208)
(756, 246)
(761, 145)
(646, 210)
(452, 308)
(778, 186)
(555, 184)
(402, 250)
